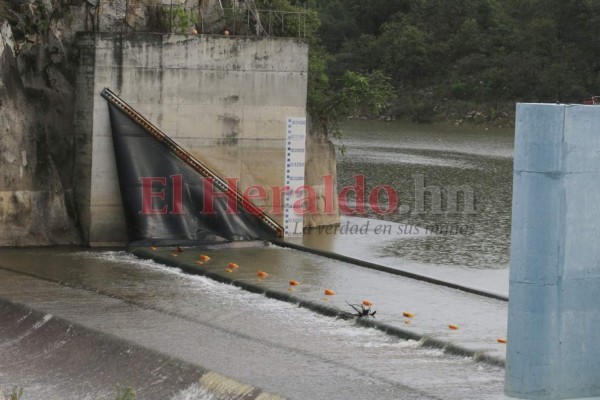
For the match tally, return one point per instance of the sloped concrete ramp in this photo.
(274, 345)
(52, 358)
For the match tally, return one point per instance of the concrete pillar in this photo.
(554, 309)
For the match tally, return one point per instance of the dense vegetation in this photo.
(459, 59)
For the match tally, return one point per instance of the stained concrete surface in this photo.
(224, 99)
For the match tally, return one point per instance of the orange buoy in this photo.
(501, 340)
(153, 248)
(408, 314)
(233, 266)
(367, 303)
(453, 327)
(329, 292)
(204, 258)
(294, 283)
(262, 274)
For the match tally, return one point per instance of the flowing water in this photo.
(245, 336)
(268, 343)
(473, 236)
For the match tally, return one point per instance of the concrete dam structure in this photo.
(224, 99)
(553, 315)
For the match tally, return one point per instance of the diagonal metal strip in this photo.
(190, 160)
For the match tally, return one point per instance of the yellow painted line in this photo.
(219, 384)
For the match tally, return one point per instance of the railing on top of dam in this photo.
(172, 17)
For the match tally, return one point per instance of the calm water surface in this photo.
(398, 154)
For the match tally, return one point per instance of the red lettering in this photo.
(329, 185)
(311, 198)
(260, 194)
(278, 192)
(210, 193)
(359, 195)
(177, 194)
(148, 195)
(392, 196)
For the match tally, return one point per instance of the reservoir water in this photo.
(400, 154)
(467, 244)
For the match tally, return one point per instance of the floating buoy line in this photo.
(360, 310)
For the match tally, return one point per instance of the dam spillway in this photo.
(142, 150)
(224, 99)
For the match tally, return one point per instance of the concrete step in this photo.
(457, 321)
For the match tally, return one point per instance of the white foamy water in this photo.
(195, 392)
(387, 157)
(247, 337)
(286, 314)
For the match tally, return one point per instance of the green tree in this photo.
(366, 94)
(408, 54)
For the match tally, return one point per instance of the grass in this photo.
(125, 393)
(14, 394)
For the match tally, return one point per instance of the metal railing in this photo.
(171, 17)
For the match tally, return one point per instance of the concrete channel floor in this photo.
(481, 321)
(271, 344)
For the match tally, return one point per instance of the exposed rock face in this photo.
(320, 164)
(34, 148)
(38, 62)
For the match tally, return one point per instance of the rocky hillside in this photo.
(36, 102)
(38, 61)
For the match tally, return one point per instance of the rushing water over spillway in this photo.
(272, 344)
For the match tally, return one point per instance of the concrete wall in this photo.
(554, 309)
(225, 99)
